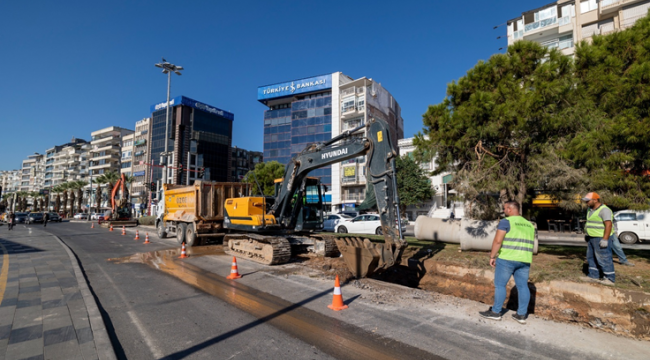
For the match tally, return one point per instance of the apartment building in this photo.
(67, 162)
(106, 150)
(140, 161)
(9, 181)
(305, 111)
(564, 23)
(32, 173)
(243, 161)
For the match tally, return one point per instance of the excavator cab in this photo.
(306, 205)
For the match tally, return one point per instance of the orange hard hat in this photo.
(591, 196)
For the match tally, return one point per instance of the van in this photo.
(632, 226)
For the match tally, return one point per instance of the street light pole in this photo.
(167, 69)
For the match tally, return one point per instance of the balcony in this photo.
(107, 147)
(354, 197)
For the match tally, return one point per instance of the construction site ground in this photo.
(438, 288)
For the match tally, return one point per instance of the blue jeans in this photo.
(617, 249)
(600, 259)
(502, 272)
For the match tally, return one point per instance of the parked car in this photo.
(334, 219)
(81, 216)
(94, 216)
(362, 224)
(632, 226)
(55, 217)
(21, 217)
(35, 217)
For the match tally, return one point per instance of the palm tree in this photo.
(80, 194)
(34, 195)
(72, 186)
(111, 178)
(57, 201)
(98, 193)
(64, 188)
(129, 179)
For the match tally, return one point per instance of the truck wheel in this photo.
(161, 230)
(190, 236)
(342, 230)
(180, 233)
(628, 238)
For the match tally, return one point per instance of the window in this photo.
(361, 102)
(588, 5)
(625, 217)
(347, 104)
(546, 13)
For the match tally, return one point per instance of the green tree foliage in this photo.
(502, 126)
(413, 185)
(613, 77)
(266, 173)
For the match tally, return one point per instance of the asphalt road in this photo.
(151, 315)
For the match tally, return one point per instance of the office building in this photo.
(200, 135)
(563, 23)
(305, 111)
(243, 161)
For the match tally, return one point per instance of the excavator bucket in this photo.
(363, 257)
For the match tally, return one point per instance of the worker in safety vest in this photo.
(599, 248)
(511, 255)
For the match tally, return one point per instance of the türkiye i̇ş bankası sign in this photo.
(294, 87)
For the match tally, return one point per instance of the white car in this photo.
(362, 224)
(334, 219)
(81, 216)
(94, 216)
(632, 226)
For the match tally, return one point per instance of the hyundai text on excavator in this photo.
(297, 210)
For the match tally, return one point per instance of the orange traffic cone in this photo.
(137, 235)
(123, 230)
(111, 229)
(183, 253)
(337, 301)
(92, 225)
(234, 273)
(146, 239)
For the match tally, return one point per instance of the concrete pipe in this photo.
(470, 234)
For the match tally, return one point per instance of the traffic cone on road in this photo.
(123, 230)
(234, 273)
(111, 229)
(137, 235)
(183, 253)
(146, 239)
(92, 225)
(337, 301)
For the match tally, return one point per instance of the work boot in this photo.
(627, 263)
(519, 318)
(606, 282)
(489, 314)
(588, 279)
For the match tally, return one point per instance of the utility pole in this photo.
(168, 68)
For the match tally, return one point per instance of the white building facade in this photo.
(564, 23)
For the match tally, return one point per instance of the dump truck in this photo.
(195, 213)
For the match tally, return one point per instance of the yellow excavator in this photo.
(266, 230)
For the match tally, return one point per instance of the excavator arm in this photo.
(362, 257)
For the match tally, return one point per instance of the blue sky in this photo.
(69, 68)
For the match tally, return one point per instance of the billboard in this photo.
(294, 87)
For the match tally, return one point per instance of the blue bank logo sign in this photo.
(294, 87)
(182, 100)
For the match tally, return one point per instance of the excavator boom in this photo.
(361, 256)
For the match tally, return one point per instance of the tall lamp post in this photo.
(168, 68)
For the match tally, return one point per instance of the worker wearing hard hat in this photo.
(599, 228)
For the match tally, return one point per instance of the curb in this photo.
(102, 341)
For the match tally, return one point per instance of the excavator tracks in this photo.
(329, 249)
(268, 250)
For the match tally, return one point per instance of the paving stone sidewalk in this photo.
(43, 314)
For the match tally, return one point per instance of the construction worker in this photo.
(599, 229)
(511, 255)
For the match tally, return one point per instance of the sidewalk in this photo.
(46, 308)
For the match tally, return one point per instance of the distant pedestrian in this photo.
(599, 229)
(618, 249)
(11, 221)
(511, 255)
(46, 217)
(452, 216)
